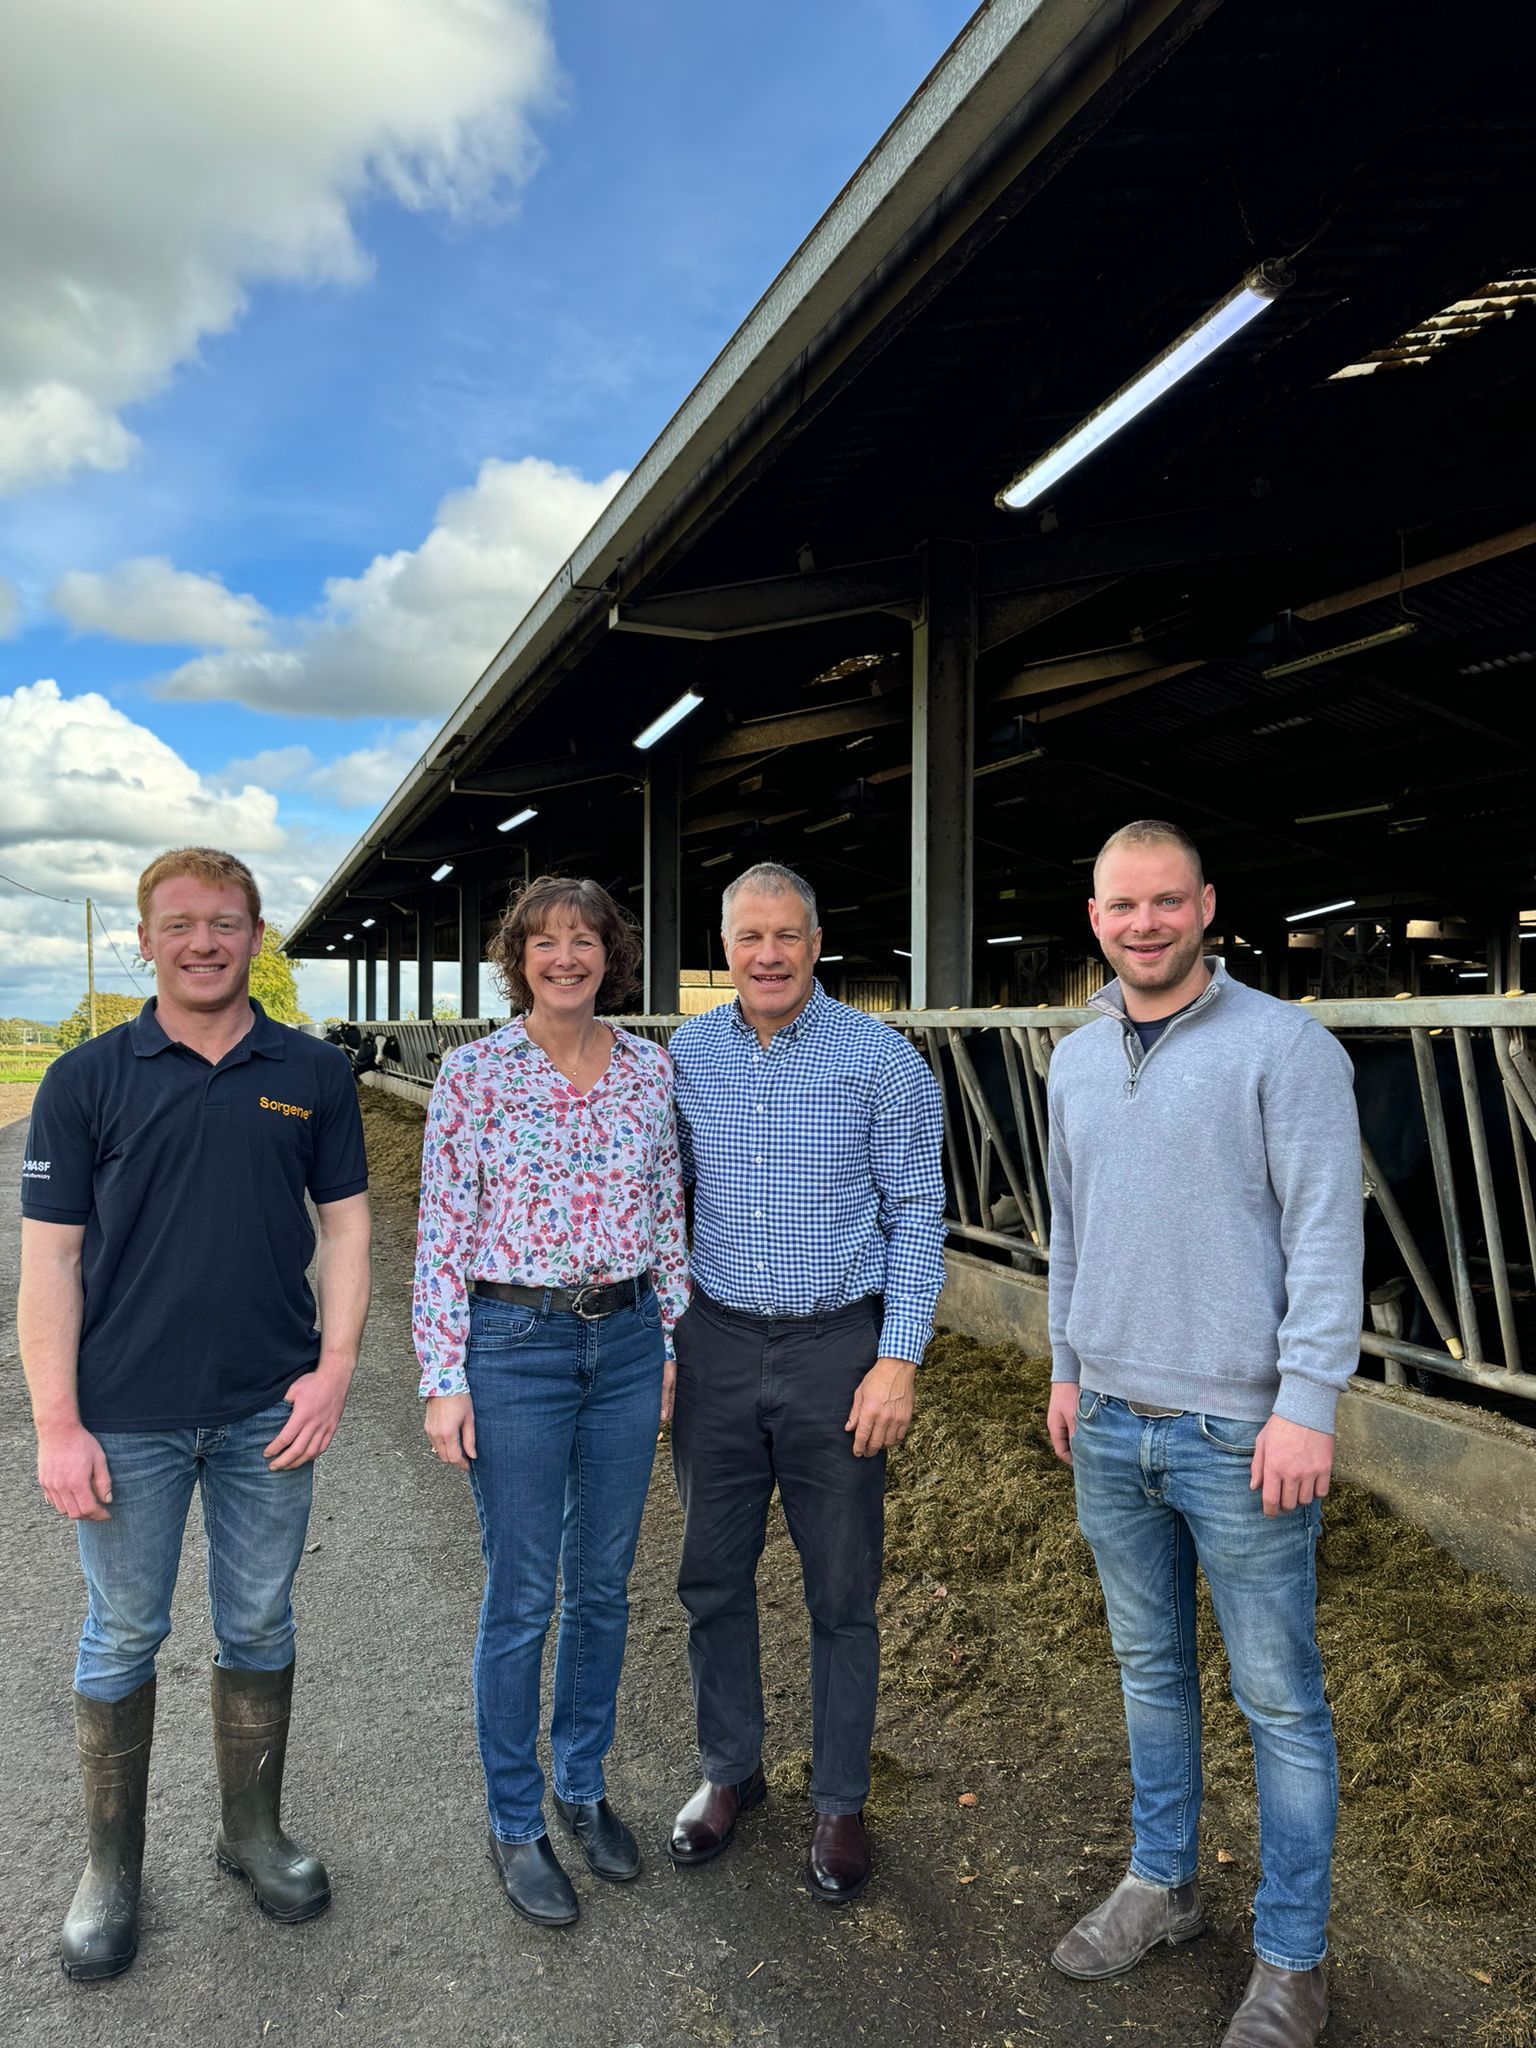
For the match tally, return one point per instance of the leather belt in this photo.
(1146, 1410)
(598, 1298)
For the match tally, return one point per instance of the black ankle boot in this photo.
(534, 1883)
(101, 1928)
(250, 1742)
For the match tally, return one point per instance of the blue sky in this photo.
(305, 398)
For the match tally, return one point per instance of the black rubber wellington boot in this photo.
(101, 1928)
(250, 1741)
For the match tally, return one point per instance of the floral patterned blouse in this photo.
(523, 1179)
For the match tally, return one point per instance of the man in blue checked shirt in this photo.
(811, 1136)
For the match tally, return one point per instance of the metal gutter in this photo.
(1012, 67)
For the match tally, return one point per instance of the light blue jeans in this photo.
(255, 1521)
(566, 1414)
(1156, 1496)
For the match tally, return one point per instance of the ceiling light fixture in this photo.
(369, 923)
(690, 700)
(518, 818)
(441, 874)
(826, 959)
(901, 952)
(715, 860)
(348, 935)
(1322, 910)
(330, 949)
(826, 824)
(1324, 655)
(1013, 939)
(1328, 817)
(1258, 290)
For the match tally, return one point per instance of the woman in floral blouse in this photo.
(551, 1266)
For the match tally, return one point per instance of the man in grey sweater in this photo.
(1205, 1305)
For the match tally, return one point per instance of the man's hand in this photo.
(881, 1413)
(316, 1401)
(668, 1388)
(72, 1471)
(1061, 1418)
(450, 1426)
(1291, 1464)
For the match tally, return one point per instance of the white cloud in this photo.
(91, 797)
(10, 608)
(357, 781)
(148, 600)
(410, 635)
(156, 162)
(49, 430)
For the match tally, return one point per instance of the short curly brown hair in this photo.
(532, 909)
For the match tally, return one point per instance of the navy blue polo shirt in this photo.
(190, 1180)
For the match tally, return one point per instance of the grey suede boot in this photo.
(101, 1928)
(250, 1741)
(1120, 1930)
(1280, 2009)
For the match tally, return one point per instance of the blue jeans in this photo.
(1156, 1496)
(255, 1521)
(566, 1414)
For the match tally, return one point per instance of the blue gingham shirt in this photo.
(815, 1164)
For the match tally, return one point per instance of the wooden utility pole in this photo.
(90, 963)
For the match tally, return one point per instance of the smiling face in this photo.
(771, 949)
(564, 964)
(202, 941)
(1149, 914)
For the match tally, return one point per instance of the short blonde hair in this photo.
(1151, 832)
(203, 864)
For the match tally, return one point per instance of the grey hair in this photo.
(769, 879)
(1152, 832)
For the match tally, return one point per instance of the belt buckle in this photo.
(588, 1315)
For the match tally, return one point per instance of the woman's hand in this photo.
(668, 1388)
(450, 1427)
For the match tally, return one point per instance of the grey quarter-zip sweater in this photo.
(1206, 1209)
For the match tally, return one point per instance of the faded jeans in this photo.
(255, 1520)
(1156, 1496)
(566, 1415)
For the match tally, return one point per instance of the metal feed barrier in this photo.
(995, 1148)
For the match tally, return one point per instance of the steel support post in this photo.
(943, 747)
(392, 935)
(370, 978)
(663, 884)
(425, 941)
(352, 989)
(469, 944)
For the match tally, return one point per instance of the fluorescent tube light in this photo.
(1473, 974)
(1227, 318)
(518, 818)
(689, 701)
(1345, 647)
(330, 949)
(441, 874)
(902, 952)
(1013, 939)
(1322, 909)
(826, 824)
(827, 958)
(1328, 817)
(715, 860)
(369, 923)
(348, 935)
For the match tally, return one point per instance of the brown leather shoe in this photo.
(837, 1868)
(706, 1824)
(1280, 2009)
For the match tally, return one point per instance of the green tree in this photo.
(111, 1010)
(273, 981)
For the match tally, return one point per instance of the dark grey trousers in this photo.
(760, 1402)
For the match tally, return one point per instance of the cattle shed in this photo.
(1289, 605)
(929, 647)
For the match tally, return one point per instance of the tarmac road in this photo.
(948, 1945)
